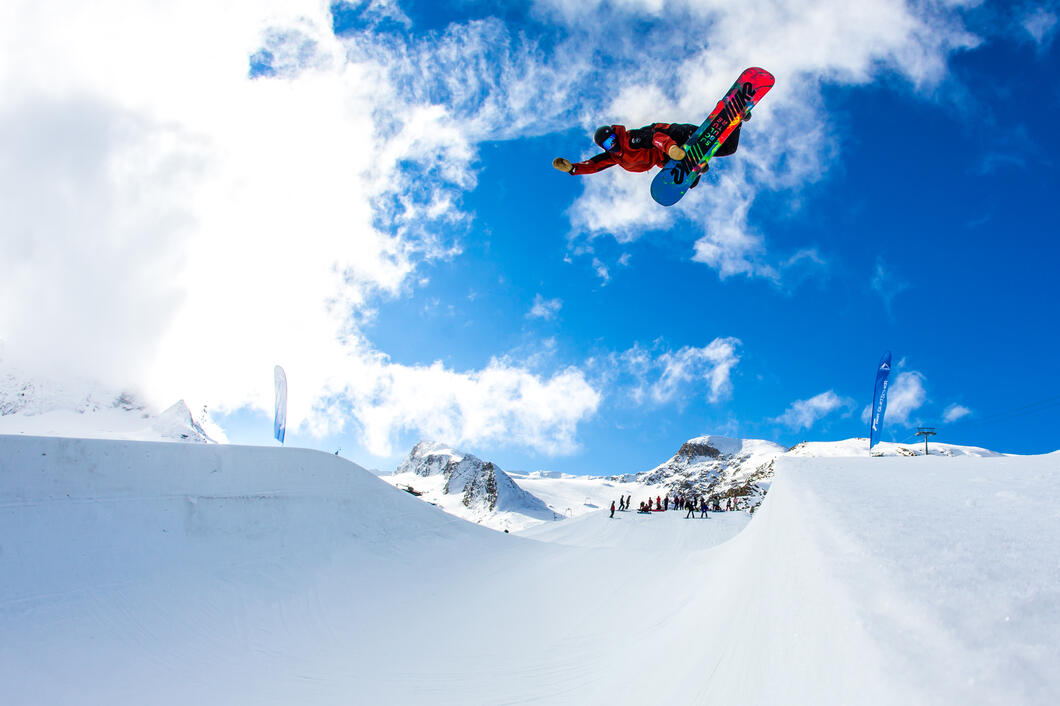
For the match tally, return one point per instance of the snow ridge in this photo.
(486, 493)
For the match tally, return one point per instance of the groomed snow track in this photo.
(135, 572)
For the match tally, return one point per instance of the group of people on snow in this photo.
(679, 502)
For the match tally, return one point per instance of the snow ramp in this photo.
(134, 572)
(895, 580)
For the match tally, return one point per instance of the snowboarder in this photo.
(612, 509)
(641, 149)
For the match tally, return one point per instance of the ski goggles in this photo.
(611, 143)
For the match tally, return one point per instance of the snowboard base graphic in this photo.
(673, 180)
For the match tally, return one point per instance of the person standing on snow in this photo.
(612, 509)
(641, 149)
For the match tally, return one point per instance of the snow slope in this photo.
(706, 466)
(134, 572)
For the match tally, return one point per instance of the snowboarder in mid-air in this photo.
(641, 149)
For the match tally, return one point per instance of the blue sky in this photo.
(919, 246)
(381, 176)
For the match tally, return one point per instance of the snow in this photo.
(174, 573)
(737, 447)
(860, 447)
(512, 516)
(40, 407)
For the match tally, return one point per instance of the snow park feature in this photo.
(175, 573)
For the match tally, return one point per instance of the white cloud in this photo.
(544, 308)
(601, 270)
(792, 140)
(1041, 24)
(678, 375)
(955, 412)
(501, 404)
(617, 203)
(170, 223)
(905, 396)
(887, 285)
(173, 225)
(803, 414)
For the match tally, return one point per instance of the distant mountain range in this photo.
(47, 408)
(706, 466)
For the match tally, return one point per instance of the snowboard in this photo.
(673, 180)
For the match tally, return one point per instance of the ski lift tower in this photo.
(925, 432)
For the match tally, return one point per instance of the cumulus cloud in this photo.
(544, 308)
(905, 396)
(955, 412)
(661, 377)
(190, 197)
(500, 404)
(803, 414)
(790, 143)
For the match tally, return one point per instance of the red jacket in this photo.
(648, 149)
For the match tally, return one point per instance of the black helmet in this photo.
(606, 138)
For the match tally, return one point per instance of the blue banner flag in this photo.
(279, 424)
(879, 399)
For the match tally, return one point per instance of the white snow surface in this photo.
(48, 408)
(165, 573)
(550, 496)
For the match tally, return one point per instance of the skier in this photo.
(691, 509)
(612, 509)
(641, 149)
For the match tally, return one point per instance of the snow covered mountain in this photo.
(709, 466)
(716, 467)
(48, 408)
(468, 487)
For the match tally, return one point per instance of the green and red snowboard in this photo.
(673, 180)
